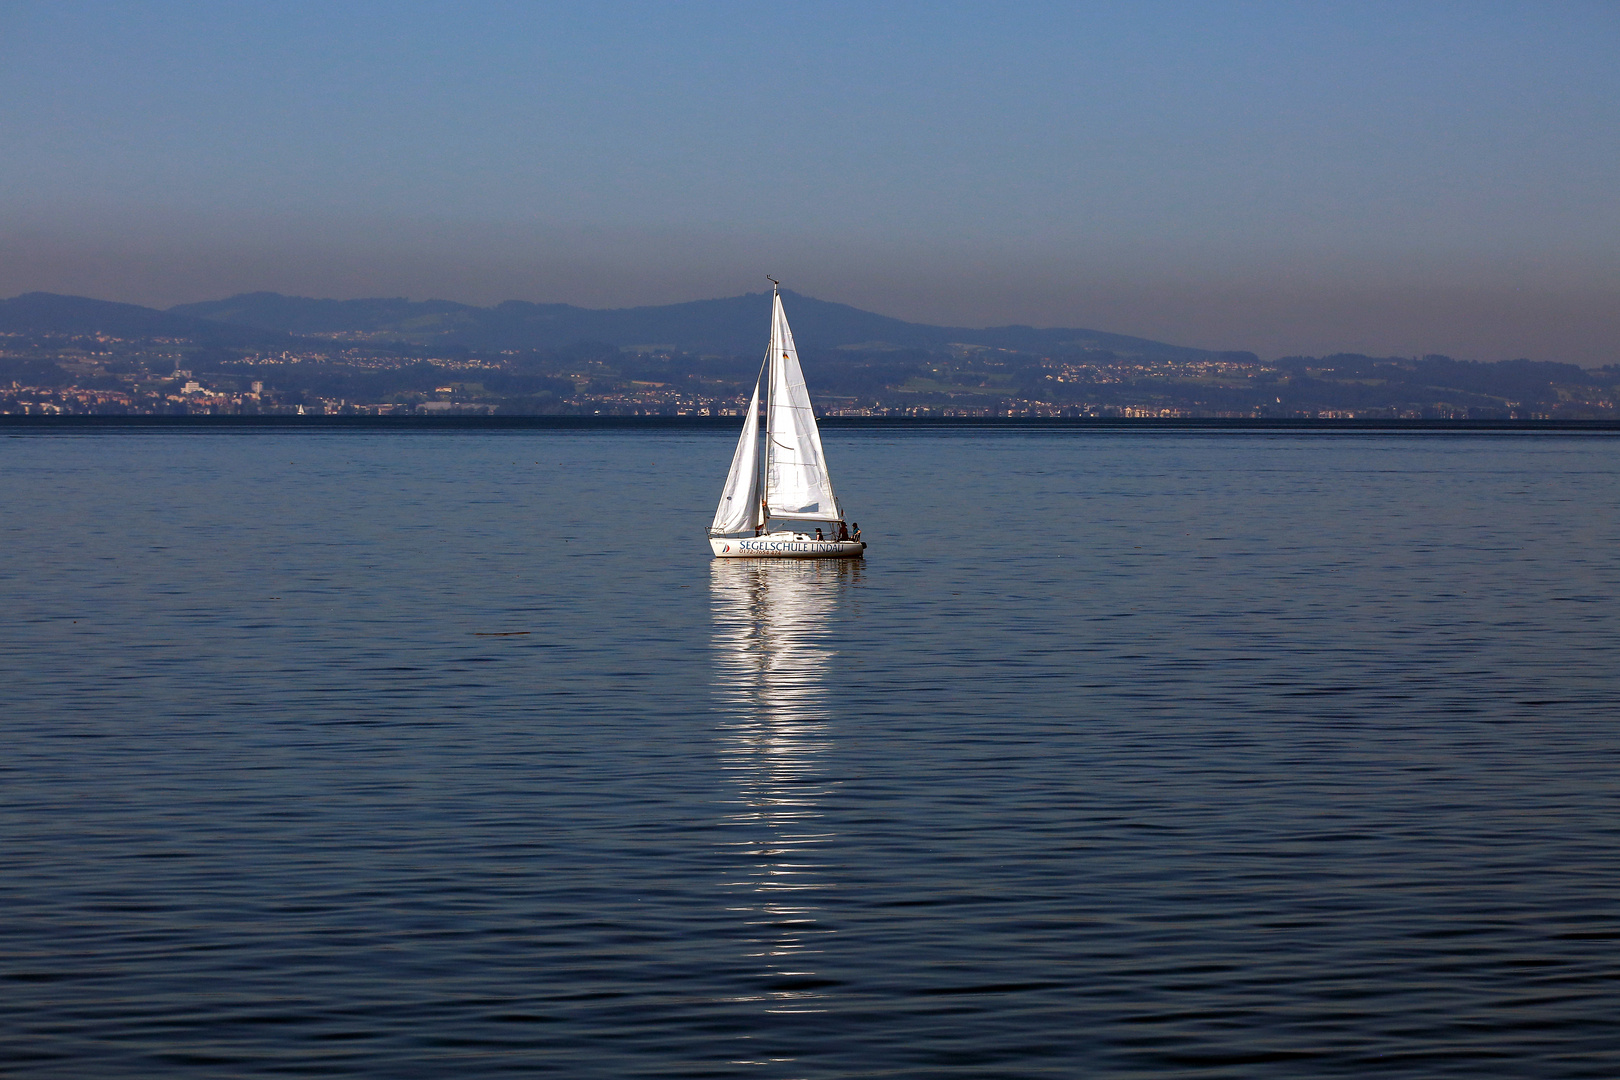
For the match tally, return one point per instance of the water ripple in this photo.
(1202, 756)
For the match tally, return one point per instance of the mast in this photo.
(770, 431)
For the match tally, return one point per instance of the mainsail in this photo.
(797, 486)
(739, 502)
(793, 485)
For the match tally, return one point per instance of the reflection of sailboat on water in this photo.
(774, 626)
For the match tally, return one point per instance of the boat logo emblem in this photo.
(725, 549)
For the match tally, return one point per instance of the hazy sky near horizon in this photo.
(1287, 178)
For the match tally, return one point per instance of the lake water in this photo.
(1122, 754)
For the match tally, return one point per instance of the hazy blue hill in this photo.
(738, 324)
(1351, 380)
(732, 325)
(303, 315)
(50, 313)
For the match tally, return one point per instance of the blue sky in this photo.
(1390, 178)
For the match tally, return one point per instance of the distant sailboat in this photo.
(772, 502)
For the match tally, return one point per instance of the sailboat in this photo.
(780, 504)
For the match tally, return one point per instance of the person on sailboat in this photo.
(856, 535)
(819, 536)
(843, 530)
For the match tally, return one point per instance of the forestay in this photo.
(739, 502)
(796, 482)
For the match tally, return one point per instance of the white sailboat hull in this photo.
(784, 546)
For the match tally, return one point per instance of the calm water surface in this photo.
(1204, 755)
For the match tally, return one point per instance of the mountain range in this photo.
(732, 326)
(281, 352)
(50, 313)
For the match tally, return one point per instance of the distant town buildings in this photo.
(55, 374)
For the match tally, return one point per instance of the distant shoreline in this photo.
(731, 423)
